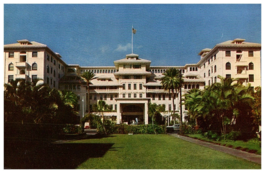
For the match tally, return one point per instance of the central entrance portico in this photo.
(132, 109)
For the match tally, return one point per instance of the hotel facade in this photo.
(132, 83)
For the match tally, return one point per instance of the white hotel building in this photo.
(132, 83)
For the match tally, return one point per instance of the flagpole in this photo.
(132, 39)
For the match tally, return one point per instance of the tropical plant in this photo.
(172, 81)
(192, 101)
(153, 110)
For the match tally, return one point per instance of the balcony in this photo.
(157, 91)
(22, 76)
(104, 90)
(21, 64)
(241, 63)
(241, 75)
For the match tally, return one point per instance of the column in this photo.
(118, 113)
(146, 113)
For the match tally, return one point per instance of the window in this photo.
(153, 97)
(34, 66)
(111, 97)
(129, 95)
(11, 54)
(228, 76)
(215, 57)
(11, 67)
(209, 73)
(95, 97)
(140, 95)
(197, 86)
(115, 107)
(185, 86)
(134, 86)
(34, 78)
(47, 57)
(101, 97)
(189, 86)
(51, 70)
(54, 62)
(209, 82)
(170, 107)
(140, 86)
(47, 80)
(126, 77)
(34, 54)
(204, 74)
(134, 95)
(137, 77)
(136, 66)
(215, 69)
(163, 97)
(228, 66)
(10, 78)
(105, 97)
(159, 97)
(54, 73)
(215, 79)
(123, 95)
(211, 69)
(250, 53)
(228, 53)
(170, 97)
(251, 66)
(123, 86)
(251, 78)
(129, 86)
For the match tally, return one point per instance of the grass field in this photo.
(155, 152)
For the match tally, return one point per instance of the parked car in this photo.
(173, 128)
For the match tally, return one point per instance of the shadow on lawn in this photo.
(41, 155)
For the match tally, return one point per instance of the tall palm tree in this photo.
(172, 81)
(101, 107)
(87, 77)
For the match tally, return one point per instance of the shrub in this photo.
(110, 127)
(233, 135)
(72, 129)
(140, 129)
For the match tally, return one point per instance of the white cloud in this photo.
(123, 48)
(103, 49)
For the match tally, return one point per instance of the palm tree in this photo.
(192, 101)
(102, 107)
(172, 81)
(154, 109)
(87, 77)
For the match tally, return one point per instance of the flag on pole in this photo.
(134, 30)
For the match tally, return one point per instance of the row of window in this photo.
(50, 58)
(11, 66)
(228, 53)
(163, 70)
(11, 77)
(228, 66)
(134, 95)
(134, 86)
(101, 97)
(34, 54)
(52, 83)
(99, 71)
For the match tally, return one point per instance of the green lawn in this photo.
(158, 152)
(253, 144)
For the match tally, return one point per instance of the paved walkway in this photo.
(238, 153)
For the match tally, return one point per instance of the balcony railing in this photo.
(21, 64)
(104, 90)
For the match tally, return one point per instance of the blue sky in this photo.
(99, 34)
